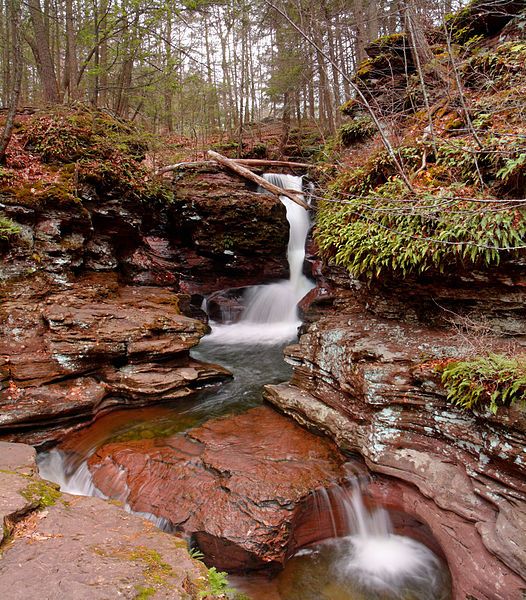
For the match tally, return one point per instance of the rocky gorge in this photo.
(103, 358)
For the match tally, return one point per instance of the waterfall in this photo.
(271, 314)
(368, 554)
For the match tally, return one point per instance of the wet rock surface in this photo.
(368, 382)
(69, 352)
(55, 545)
(238, 484)
(217, 231)
(227, 231)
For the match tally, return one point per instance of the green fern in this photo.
(373, 236)
(494, 380)
(8, 228)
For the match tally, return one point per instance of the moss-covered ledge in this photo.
(77, 547)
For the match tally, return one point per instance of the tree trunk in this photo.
(71, 52)
(247, 174)
(13, 11)
(43, 57)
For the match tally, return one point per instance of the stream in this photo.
(370, 562)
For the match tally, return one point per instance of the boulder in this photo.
(59, 546)
(238, 485)
(226, 231)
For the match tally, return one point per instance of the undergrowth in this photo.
(54, 156)
(8, 228)
(489, 381)
(382, 234)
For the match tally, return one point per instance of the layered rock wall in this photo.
(69, 352)
(369, 383)
(215, 231)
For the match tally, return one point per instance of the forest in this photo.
(263, 299)
(196, 66)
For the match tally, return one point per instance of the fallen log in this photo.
(249, 162)
(296, 197)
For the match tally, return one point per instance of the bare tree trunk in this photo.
(71, 52)
(43, 57)
(13, 12)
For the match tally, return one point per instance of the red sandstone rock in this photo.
(237, 484)
(69, 353)
(82, 548)
(359, 378)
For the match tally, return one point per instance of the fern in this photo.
(217, 584)
(373, 236)
(494, 380)
(8, 228)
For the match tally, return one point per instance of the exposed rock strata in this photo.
(362, 379)
(227, 232)
(69, 353)
(215, 232)
(238, 485)
(55, 545)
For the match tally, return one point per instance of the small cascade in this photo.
(367, 557)
(271, 314)
(73, 476)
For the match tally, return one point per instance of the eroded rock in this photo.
(69, 353)
(236, 484)
(363, 380)
(61, 546)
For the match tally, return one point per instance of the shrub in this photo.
(494, 380)
(357, 130)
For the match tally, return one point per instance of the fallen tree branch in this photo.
(249, 162)
(296, 197)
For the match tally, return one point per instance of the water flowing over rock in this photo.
(236, 484)
(59, 546)
(268, 313)
(68, 352)
(368, 382)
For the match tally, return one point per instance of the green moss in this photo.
(391, 43)
(488, 381)
(143, 593)
(42, 493)
(156, 571)
(64, 136)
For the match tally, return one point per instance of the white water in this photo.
(73, 478)
(371, 555)
(271, 314)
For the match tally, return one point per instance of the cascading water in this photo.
(364, 559)
(270, 318)
(271, 314)
(370, 557)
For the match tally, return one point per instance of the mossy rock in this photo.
(382, 66)
(64, 136)
(394, 44)
(42, 493)
(482, 17)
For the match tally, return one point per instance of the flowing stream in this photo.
(368, 562)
